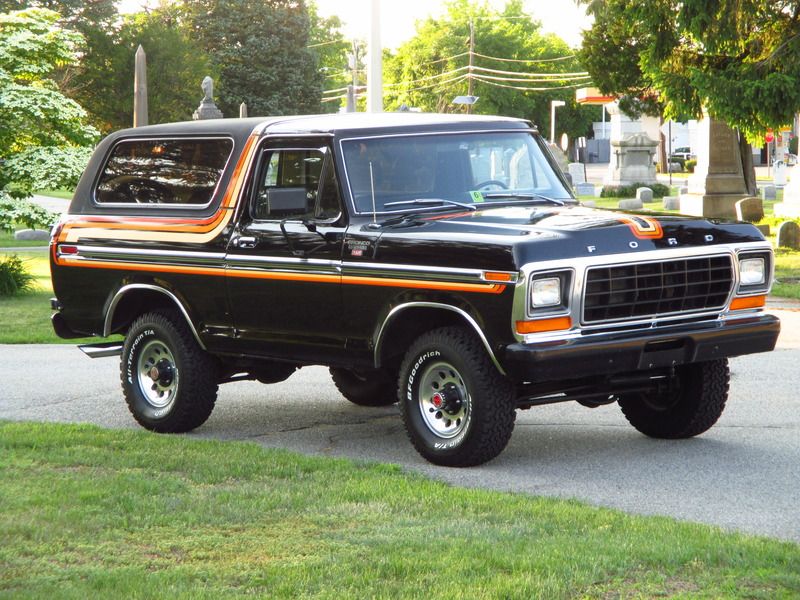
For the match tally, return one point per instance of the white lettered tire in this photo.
(169, 382)
(457, 408)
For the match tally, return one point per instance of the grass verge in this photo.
(64, 194)
(7, 241)
(25, 318)
(98, 513)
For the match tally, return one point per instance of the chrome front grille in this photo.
(649, 289)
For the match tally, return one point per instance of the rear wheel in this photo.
(169, 382)
(457, 408)
(693, 404)
(365, 388)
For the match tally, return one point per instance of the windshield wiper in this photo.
(524, 197)
(430, 202)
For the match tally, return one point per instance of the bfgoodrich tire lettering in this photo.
(457, 408)
(169, 383)
(690, 409)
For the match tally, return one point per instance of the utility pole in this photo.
(351, 89)
(471, 57)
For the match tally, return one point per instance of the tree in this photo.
(327, 41)
(176, 65)
(516, 69)
(44, 140)
(260, 51)
(738, 59)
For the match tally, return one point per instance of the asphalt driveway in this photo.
(743, 474)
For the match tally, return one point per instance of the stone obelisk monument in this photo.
(140, 88)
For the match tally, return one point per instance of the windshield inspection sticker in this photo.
(476, 196)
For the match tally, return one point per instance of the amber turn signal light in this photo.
(748, 302)
(540, 325)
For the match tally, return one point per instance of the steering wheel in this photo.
(143, 191)
(490, 182)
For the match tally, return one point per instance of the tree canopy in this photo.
(738, 59)
(260, 52)
(43, 135)
(516, 69)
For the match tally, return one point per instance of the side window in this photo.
(296, 183)
(163, 171)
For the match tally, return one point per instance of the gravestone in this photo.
(585, 189)
(790, 207)
(750, 209)
(718, 180)
(672, 203)
(578, 173)
(683, 190)
(589, 203)
(631, 204)
(764, 229)
(645, 194)
(768, 192)
(789, 235)
(207, 108)
(32, 234)
(632, 161)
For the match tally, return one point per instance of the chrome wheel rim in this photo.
(444, 400)
(157, 374)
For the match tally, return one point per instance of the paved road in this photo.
(743, 474)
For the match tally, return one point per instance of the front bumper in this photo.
(641, 350)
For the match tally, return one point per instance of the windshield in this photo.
(468, 168)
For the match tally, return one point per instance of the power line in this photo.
(526, 60)
(530, 89)
(582, 79)
(523, 74)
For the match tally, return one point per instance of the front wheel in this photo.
(169, 382)
(693, 404)
(457, 408)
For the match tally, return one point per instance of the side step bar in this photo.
(102, 349)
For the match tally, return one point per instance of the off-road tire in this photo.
(193, 389)
(365, 388)
(483, 430)
(693, 408)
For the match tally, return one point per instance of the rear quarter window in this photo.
(159, 172)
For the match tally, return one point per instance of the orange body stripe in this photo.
(651, 232)
(174, 224)
(286, 276)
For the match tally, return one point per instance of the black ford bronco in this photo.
(436, 261)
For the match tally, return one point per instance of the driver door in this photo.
(283, 263)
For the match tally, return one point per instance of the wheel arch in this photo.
(405, 322)
(133, 299)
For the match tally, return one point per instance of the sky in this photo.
(398, 17)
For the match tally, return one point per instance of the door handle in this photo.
(246, 242)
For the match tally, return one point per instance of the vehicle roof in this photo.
(337, 124)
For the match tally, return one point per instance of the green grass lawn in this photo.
(65, 194)
(93, 513)
(25, 318)
(7, 241)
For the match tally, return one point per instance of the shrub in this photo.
(629, 191)
(14, 210)
(690, 165)
(14, 277)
